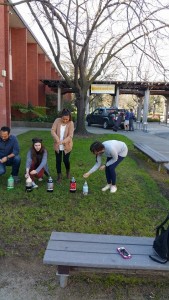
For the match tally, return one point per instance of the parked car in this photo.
(107, 117)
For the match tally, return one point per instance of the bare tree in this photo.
(93, 35)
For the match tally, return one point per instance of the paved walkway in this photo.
(157, 135)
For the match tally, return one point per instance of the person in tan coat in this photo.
(62, 132)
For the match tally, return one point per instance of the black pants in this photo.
(59, 160)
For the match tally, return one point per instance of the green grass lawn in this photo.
(27, 219)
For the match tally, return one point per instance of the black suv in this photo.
(107, 117)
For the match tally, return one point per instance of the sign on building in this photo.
(103, 89)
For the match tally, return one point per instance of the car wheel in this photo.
(105, 125)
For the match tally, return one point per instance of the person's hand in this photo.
(4, 159)
(33, 172)
(102, 167)
(86, 175)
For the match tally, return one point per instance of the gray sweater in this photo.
(113, 149)
(43, 163)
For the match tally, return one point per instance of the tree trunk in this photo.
(81, 118)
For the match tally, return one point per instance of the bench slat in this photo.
(110, 261)
(90, 247)
(102, 238)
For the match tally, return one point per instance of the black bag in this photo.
(161, 243)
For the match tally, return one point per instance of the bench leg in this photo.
(159, 167)
(63, 273)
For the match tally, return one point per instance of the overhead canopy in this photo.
(125, 87)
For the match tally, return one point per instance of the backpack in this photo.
(161, 243)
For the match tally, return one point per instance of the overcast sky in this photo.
(26, 15)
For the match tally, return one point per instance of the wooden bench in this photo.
(152, 154)
(166, 166)
(72, 252)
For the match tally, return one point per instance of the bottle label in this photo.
(50, 186)
(10, 183)
(73, 186)
(85, 190)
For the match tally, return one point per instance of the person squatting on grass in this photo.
(115, 151)
(62, 132)
(36, 161)
(9, 153)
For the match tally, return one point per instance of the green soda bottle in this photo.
(10, 183)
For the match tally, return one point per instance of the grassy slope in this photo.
(27, 219)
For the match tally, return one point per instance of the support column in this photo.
(19, 88)
(59, 99)
(146, 102)
(33, 74)
(87, 103)
(117, 97)
(166, 109)
(41, 75)
(48, 75)
(139, 108)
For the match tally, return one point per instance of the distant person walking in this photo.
(9, 153)
(115, 151)
(62, 132)
(131, 120)
(126, 122)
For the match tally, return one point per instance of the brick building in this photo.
(23, 63)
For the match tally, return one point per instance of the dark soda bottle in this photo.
(73, 185)
(50, 185)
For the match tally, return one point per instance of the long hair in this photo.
(37, 155)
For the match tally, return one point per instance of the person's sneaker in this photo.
(107, 187)
(16, 179)
(34, 185)
(113, 189)
(40, 179)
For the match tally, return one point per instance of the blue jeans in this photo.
(14, 162)
(110, 170)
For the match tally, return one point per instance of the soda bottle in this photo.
(28, 186)
(50, 185)
(85, 188)
(10, 184)
(73, 185)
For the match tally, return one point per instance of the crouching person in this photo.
(9, 153)
(36, 162)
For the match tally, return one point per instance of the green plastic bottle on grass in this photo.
(10, 184)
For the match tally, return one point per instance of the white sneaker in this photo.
(34, 185)
(107, 187)
(113, 189)
(40, 179)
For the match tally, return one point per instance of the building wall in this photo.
(4, 92)
(23, 64)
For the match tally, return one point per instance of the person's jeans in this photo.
(110, 170)
(59, 160)
(14, 162)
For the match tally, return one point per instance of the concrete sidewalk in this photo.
(157, 135)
